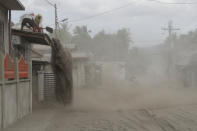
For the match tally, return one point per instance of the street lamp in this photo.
(64, 20)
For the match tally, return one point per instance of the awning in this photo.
(12, 4)
(80, 56)
(33, 37)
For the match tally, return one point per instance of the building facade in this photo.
(15, 72)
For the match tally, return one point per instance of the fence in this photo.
(9, 71)
(23, 69)
(15, 90)
(46, 85)
(9, 68)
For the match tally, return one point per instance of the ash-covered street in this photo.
(117, 109)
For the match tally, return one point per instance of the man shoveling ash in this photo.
(62, 67)
(32, 23)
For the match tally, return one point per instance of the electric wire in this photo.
(103, 13)
(174, 3)
(124, 6)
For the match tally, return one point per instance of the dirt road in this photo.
(118, 109)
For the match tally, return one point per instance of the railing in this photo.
(23, 68)
(9, 71)
(9, 68)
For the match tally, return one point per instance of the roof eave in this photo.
(12, 5)
(22, 7)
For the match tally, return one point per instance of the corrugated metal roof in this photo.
(33, 37)
(79, 56)
(12, 4)
(70, 46)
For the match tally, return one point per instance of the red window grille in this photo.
(23, 68)
(9, 72)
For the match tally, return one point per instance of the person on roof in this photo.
(33, 23)
(38, 19)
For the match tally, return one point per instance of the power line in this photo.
(103, 13)
(122, 7)
(127, 5)
(148, 41)
(174, 3)
(50, 3)
(170, 29)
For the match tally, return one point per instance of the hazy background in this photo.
(144, 18)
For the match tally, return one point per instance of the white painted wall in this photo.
(79, 74)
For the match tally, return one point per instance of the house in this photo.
(37, 63)
(16, 76)
(186, 66)
(16, 66)
(44, 76)
(15, 72)
(80, 62)
(5, 24)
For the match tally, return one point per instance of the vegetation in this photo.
(104, 46)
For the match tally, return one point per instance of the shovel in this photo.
(49, 29)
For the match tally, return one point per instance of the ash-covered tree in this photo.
(103, 46)
(64, 34)
(122, 43)
(112, 47)
(82, 38)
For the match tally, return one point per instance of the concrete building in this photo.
(186, 66)
(38, 62)
(15, 66)
(16, 76)
(5, 7)
(80, 61)
(43, 74)
(15, 72)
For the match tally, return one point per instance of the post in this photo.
(169, 50)
(10, 31)
(170, 47)
(30, 76)
(56, 20)
(1, 95)
(41, 86)
(17, 87)
(3, 91)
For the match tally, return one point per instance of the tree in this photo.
(82, 38)
(63, 34)
(113, 47)
(103, 46)
(122, 43)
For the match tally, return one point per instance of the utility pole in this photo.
(170, 48)
(170, 30)
(56, 20)
(56, 17)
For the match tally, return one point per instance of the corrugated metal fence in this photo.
(49, 86)
(46, 83)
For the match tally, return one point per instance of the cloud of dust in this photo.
(151, 88)
(127, 97)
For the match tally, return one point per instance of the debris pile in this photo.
(62, 67)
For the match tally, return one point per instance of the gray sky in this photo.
(144, 18)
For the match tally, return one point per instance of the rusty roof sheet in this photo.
(33, 37)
